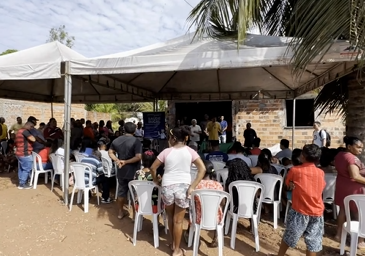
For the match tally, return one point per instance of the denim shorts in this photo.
(176, 194)
(310, 227)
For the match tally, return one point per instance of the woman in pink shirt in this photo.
(176, 181)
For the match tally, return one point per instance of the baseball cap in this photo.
(32, 119)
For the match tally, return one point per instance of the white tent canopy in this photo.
(36, 74)
(186, 69)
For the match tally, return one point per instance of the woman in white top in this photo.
(176, 181)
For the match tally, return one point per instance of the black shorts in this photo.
(123, 187)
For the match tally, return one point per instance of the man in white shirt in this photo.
(319, 136)
(195, 131)
(139, 133)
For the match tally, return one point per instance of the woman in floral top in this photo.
(208, 182)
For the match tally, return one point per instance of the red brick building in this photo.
(11, 109)
(272, 120)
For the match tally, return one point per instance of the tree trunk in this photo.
(355, 120)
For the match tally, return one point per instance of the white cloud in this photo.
(100, 26)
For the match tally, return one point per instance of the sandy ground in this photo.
(34, 222)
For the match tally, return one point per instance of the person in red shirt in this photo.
(305, 218)
(256, 147)
(44, 154)
(23, 142)
(52, 131)
(88, 131)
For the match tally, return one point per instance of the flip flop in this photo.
(183, 251)
(121, 216)
(361, 246)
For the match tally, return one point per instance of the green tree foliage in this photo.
(121, 111)
(8, 51)
(61, 35)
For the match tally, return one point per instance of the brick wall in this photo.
(268, 118)
(11, 109)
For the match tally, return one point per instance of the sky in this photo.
(100, 27)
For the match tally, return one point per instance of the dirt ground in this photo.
(34, 222)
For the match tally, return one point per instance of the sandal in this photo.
(182, 253)
(361, 246)
(213, 244)
(124, 214)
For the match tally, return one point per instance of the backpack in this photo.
(328, 138)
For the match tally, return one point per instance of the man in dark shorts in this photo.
(305, 218)
(129, 151)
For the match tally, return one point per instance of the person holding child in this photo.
(305, 218)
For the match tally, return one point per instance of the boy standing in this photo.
(305, 218)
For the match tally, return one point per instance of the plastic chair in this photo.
(210, 201)
(355, 228)
(143, 191)
(247, 191)
(79, 170)
(110, 170)
(222, 176)
(58, 169)
(288, 204)
(254, 160)
(78, 156)
(329, 192)
(193, 173)
(218, 165)
(38, 169)
(269, 181)
(4, 147)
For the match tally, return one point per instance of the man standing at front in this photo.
(213, 129)
(224, 126)
(23, 142)
(129, 151)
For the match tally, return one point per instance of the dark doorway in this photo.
(186, 111)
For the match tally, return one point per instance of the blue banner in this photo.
(154, 125)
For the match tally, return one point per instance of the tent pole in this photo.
(52, 109)
(293, 126)
(67, 132)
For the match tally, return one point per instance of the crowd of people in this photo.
(171, 169)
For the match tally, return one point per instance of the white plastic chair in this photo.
(269, 181)
(79, 170)
(288, 204)
(144, 197)
(78, 156)
(222, 176)
(38, 169)
(210, 201)
(355, 228)
(110, 170)
(193, 173)
(58, 169)
(254, 160)
(4, 147)
(247, 191)
(329, 192)
(218, 165)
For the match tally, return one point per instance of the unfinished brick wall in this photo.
(268, 118)
(11, 109)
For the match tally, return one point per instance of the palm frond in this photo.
(226, 19)
(316, 25)
(333, 98)
(277, 17)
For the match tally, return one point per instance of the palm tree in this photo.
(315, 24)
